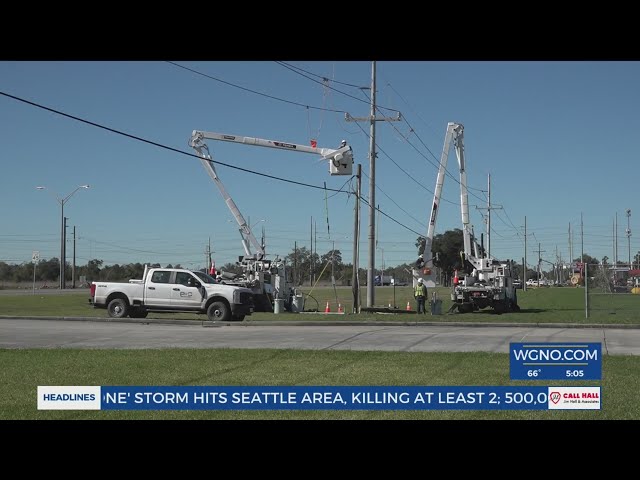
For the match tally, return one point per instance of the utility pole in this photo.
(372, 180)
(570, 245)
(524, 260)
(570, 273)
(629, 235)
(73, 266)
(488, 208)
(64, 254)
(615, 231)
(613, 244)
(581, 241)
(207, 256)
(539, 262)
(355, 283)
(311, 256)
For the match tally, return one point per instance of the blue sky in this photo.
(558, 139)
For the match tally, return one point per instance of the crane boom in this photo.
(267, 279)
(455, 135)
(340, 159)
(486, 282)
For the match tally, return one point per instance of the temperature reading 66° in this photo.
(534, 373)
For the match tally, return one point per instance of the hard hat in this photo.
(419, 280)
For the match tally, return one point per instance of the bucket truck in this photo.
(486, 282)
(268, 279)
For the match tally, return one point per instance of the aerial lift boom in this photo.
(266, 278)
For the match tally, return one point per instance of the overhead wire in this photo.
(321, 76)
(334, 89)
(175, 150)
(159, 145)
(272, 97)
(306, 106)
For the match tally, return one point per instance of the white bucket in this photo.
(278, 305)
(298, 303)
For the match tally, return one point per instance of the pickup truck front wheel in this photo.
(138, 313)
(219, 311)
(118, 308)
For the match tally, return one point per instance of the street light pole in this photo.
(63, 222)
(629, 235)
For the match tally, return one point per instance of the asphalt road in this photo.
(86, 333)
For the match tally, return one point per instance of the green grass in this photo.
(538, 305)
(23, 370)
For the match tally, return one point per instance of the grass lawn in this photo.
(538, 305)
(24, 370)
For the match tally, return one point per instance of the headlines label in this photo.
(317, 398)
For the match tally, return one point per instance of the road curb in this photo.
(315, 323)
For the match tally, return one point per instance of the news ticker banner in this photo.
(318, 398)
(555, 361)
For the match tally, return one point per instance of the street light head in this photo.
(40, 188)
(84, 186)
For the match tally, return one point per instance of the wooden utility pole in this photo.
(372, 181)
(355, 282)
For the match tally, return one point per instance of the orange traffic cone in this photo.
(340, 309)
(408, 306)
(327, 309)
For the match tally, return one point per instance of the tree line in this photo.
(305, 267)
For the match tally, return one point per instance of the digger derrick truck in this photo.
(269, 280)
(486, 282)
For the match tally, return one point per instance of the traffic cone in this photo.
(408, 306)
(340, 309)
(327, 309)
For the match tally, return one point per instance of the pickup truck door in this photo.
(157, 289)
(185, 291)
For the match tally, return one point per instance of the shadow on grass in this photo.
(533, 310)
(492, 313)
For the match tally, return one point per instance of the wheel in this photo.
(118, 308)
(465, 308)
(219, 311)
(137, 313)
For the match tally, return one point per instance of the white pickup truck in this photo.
(173, 290)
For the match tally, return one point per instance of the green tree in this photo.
(448, 246)
(231, 268)
(334, 256)
(421, 243)
(93, 270)
(302, 261)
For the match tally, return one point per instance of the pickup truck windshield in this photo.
(205, 278)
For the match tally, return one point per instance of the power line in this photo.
(140, 139)
(254, 91)
(288, 65)
(134, 137)
(334, 89)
